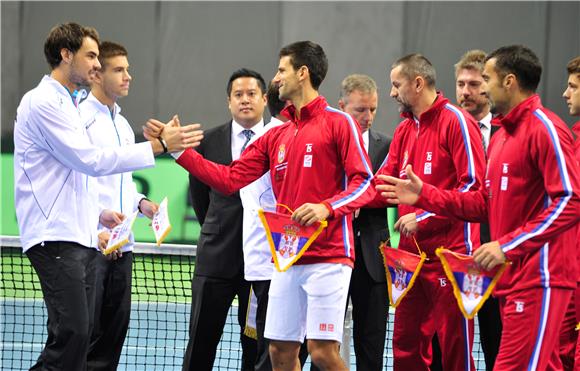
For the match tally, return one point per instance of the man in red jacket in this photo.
(531, 198)
(320, 169)
(569, 332)
(445, 143)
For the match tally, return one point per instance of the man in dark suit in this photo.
(368, 286)
(219, 270)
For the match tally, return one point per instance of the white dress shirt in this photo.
(485, 128)
(55, 199)
(239, 139)
(108, 129)
(365, 136)
(258, 264)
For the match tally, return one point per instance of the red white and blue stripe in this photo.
(367, 181)
(565, 178)
(360, 190)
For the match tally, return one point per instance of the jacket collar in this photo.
(312, 109)
(77, 96)
(576, 130)
(92, 100)
(519, 112)
(435, 108)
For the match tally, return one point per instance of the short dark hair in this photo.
(414, 65)
(66, 36)
(245, 72)
(574, 65)
(309, 54)
(521, 61)
(109, 49)
(275, 105)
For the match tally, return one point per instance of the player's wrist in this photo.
(139, 204)
(163, 144)
(329, 209)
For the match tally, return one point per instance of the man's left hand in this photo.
(489, 255)
(407, 224)
(308, 214)
(103, 242)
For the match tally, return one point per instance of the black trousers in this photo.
(370, 310)
(263, 363)
(211, 301)
(261, 289)
(490, 328)
(66, 274)
(112, 311)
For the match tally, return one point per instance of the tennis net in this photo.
(158, 330)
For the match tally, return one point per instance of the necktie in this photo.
(482, 128)
(248, 134)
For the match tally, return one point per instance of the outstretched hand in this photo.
(401, 191)
(177, 138)
(153, 128)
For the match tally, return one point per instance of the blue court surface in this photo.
(156, 340)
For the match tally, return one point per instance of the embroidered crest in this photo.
(281, 153)
(401, 268)
(288, 240)
(471, 284)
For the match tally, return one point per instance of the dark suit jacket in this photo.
(219, 249)
(484, 227)
(372, 223)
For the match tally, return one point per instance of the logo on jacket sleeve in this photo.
(281, 153)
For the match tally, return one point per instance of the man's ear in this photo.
(509, 81)
(66, 55)
(303, 73)
(97, 77)
(419, 83)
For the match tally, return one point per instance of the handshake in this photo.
(172, 137)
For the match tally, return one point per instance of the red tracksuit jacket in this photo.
(445, 148)
(576, 130)
(319, 158)
(531, 195)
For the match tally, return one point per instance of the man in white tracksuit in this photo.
(55, 197)
(107, 128)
